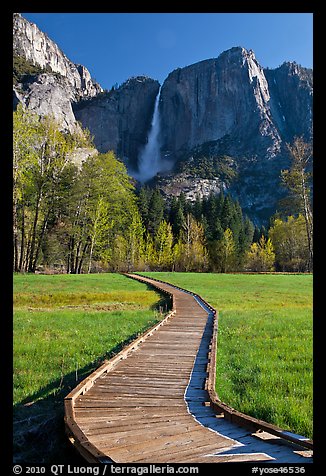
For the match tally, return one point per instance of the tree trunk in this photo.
(15, 243)
(22, 243)
(91, 255)
(82, 258)
(77, 257)
(308, 218)
(69, 257)
(33, 240)
(40, 241)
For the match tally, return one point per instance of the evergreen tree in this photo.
(226, 212)
(256, 235)
(197, 209)
(246, 236)
(176, 216)
(155, 212)
(211, 216)
(143, 204)
(220, 203)
(236, 221)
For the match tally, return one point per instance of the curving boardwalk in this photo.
(155, 401)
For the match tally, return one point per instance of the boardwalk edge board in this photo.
(92, 455)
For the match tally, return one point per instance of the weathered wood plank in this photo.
(133, 408)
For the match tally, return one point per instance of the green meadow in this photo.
(66, 325)
(265, 343)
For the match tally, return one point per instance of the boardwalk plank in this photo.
(140, 410)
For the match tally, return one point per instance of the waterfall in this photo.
(149, 162)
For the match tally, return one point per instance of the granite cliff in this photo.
(231, 107)
(212, 99)
(224, 122)
(120, 119)
(59, 82)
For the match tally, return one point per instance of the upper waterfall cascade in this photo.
(149, 162)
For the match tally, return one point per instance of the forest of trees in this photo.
(91, 218)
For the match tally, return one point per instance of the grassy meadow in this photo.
(264, 356)
(66, 325)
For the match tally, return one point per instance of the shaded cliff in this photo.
(291, 90)
(120, 119)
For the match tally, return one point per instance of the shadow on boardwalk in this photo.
(196, 395)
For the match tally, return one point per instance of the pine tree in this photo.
(211, 216)
(245, 240)
(226, 213)
(155, 212)
(176, 216)
(143, 204)
(197, 209)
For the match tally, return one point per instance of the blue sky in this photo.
(116, 46)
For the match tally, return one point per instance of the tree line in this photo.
(90, 217)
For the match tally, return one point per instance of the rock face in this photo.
(231, 105)
(192, 187)
(51, 95)
(227, 96)
(119, 120)
(225, 106)
(231, 97)
(37, 47)
(62, 82)
(291, 90)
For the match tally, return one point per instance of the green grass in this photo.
(264, 357)
(60, 328)
(64, 327)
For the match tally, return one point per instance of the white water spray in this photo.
(149, 158)
(150, 163)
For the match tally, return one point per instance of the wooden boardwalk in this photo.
(155, 402)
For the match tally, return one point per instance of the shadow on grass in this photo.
(38, 421)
